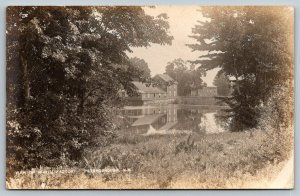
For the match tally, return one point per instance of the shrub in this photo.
(278, 121)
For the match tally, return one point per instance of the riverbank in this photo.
(224, 160)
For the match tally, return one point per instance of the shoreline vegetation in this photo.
(228, 160)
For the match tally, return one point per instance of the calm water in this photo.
(171, 119)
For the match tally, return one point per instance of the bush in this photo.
(278, 120)
(53, 141)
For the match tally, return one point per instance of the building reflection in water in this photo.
(161, 119)
(150, 119)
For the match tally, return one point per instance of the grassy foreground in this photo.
(225, 160)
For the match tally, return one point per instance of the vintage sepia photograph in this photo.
(150, 97)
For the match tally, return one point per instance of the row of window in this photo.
(158, 95)
(153, 95)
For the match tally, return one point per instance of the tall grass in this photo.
(226, 160)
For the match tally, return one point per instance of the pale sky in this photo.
(181, 19)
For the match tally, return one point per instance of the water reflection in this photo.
(170, 119)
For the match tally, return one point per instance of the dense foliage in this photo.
(222, 83)
(187, 78)
(65, 66)
(255, 46)
(142, 66)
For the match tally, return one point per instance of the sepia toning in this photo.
(151, 97)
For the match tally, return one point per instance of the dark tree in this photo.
(187, 79)
(252, 44)
(141, 66)
(65, 66)
(222, 83)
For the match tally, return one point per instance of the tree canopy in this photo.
(252, 44)
(222, 83)
(65, 66)
(141, 66)
(187, 78)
